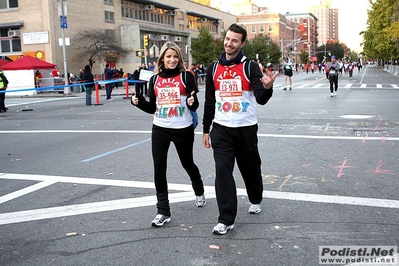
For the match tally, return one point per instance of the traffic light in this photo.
(139, 53)
(145, 41)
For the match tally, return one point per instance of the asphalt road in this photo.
(77, 181)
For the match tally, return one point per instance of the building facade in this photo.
(308, 24)
(327, 22)
(34, 27)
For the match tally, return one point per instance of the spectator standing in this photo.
(109, 75)
(172, 95)
(38, 78)
(234, 129)
(3, 87)
(88, 78)
(138, 86)
(144, 84)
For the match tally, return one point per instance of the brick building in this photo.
(33, 27)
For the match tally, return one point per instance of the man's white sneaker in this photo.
(200, 201)
(221, 229)
(335, 93)
(332, 94)
(255, 208)
(160, 220)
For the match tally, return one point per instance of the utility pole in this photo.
(62, 11)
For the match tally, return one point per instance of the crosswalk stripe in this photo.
(363, 86)
(318, 86)
(379, 86)
(348, 85)
(394, 86)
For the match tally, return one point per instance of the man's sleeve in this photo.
(210, 100)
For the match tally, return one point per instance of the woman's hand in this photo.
(135, 100)
(190, 100)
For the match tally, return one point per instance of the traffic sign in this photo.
(63, 22)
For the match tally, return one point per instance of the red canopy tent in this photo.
(28, 62)
(3, 62)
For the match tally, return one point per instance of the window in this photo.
(109, 2)
(270, 28)
(262, 28)
(253, 29)
(109, 16)
(150, 13)
(5, 4)
(9, 44)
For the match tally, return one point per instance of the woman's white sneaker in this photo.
(160, 220)
(255, 208)
(221, 229)
(200, 201)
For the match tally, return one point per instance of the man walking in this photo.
(287, 74)
(234, 87)
(333, 71)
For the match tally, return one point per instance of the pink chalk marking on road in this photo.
(342, 167)
(378, 170)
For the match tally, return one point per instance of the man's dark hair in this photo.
(238, 29)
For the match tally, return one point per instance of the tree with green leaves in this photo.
(382, 34)
(304, 57)
(264, 47)
(203, 48)
(96, 44)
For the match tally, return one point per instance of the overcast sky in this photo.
(352, 15)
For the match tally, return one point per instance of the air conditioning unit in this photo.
(14, 33)
(203, 20)
(178, 39)
(149, 7)
(173, 13)
(165, 37)
(216, 23)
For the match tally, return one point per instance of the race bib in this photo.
(169, 97)
(230, 89)
(332, 72)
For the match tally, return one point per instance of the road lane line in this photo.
(199, 133)
(113, 151)
(186, 195)
(24, 191)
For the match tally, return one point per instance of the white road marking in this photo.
(348, 85)
(197, 133)
(186, 195)
(394, 86)
(318, 86)
(26, 190)
(379, 86)
(363, 86)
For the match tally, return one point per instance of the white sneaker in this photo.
(200, 201)
(335, 93)
(221, 229)
(255, 208)
(160, 220)
(332, 94)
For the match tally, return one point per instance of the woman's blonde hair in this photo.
(165, 47)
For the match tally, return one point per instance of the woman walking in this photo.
(172, 97)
